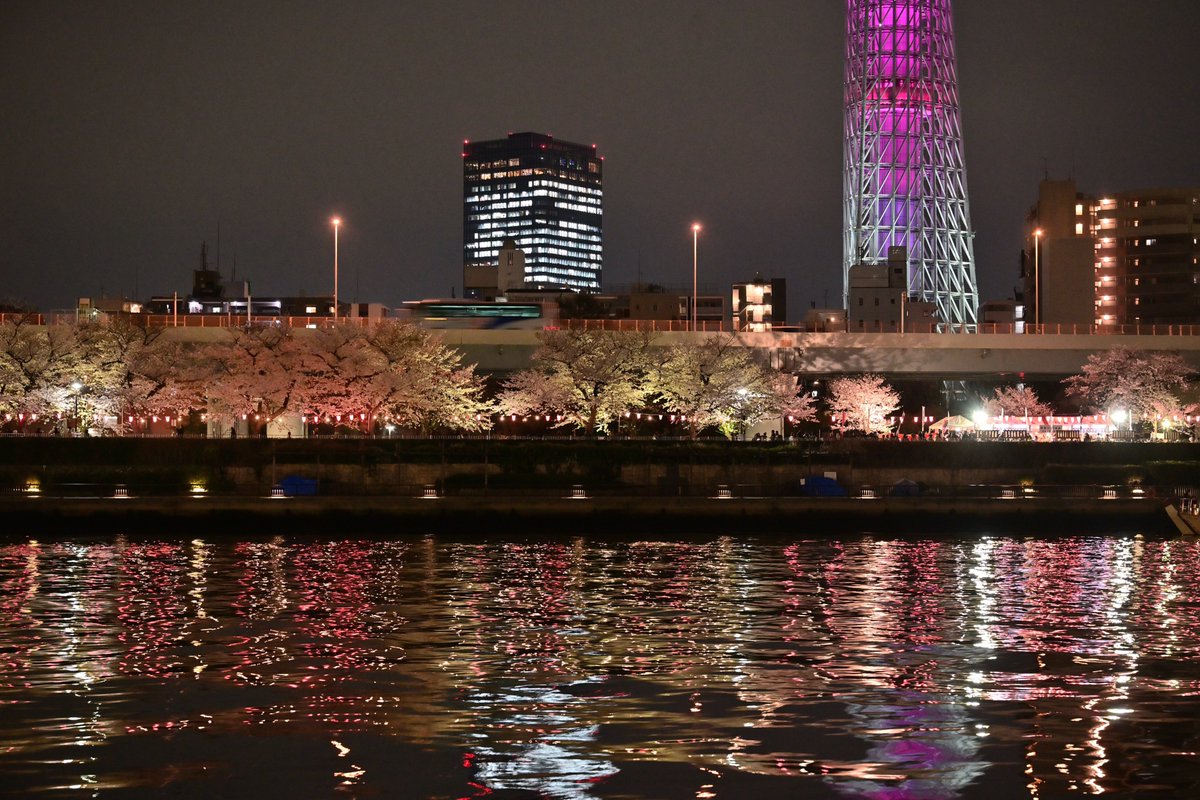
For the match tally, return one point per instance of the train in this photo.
(479, 314)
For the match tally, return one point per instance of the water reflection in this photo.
(578, 668)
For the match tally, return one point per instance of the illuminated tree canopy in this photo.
(394, 372)
(587, 376)
(1016, 401)
(720, 383)
(1145, 384)
(35, 363)
(105, 373)
(862, 402)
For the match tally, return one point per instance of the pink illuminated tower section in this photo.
(905, 182)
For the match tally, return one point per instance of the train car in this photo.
(479, 314)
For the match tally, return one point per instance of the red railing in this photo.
(648, 325)
(189, 320)
(639, 325)
(238, 321)
(988, 328)
(28, 319)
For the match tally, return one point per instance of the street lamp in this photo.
(337, 223)
(1119, 416)
(1037, 285)
(695, 262)
(76, 388)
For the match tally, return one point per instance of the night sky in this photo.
(132, 130)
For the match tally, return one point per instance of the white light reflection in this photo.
(198, 575)
(542, 767)
(199, 562)
(983, 579)
(898, 640)
(1125, 562)
(349, 776)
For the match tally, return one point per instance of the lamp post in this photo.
(695, 263)
(1118, 416)
(337, 223)
(1037, 284)
(76, 388)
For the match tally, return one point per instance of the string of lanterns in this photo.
(842, 418)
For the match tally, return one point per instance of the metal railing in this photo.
(193, 320)
(1009, 328)
(639, 325)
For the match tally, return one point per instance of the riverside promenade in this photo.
(559, 515)
(542, 486)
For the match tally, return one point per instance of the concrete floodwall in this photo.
(383, 467)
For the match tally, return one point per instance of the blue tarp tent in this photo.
(295, 486)
(905, 488)
(820, 486)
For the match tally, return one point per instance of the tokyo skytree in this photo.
(905, 181)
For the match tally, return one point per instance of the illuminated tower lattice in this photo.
(904, 175)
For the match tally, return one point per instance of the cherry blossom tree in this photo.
(393, 371)
(124, 369)
(36, 366)
(424, 383)
(340, 375)
(720, 383)
(1163, 410)
(1016, 401)
(257, 370)
(778, 400)
(588, 376)
(1138, 382)
(862, 402)
(789, 400)
(106, 372)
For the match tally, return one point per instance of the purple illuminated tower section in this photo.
(904, 175)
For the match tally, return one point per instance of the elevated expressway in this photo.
(951, 356)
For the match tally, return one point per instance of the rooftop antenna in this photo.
(218, 245)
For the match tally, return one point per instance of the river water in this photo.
(665, 667)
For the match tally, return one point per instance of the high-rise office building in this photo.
(1127, 258)
(905, 182)
(545, 195)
